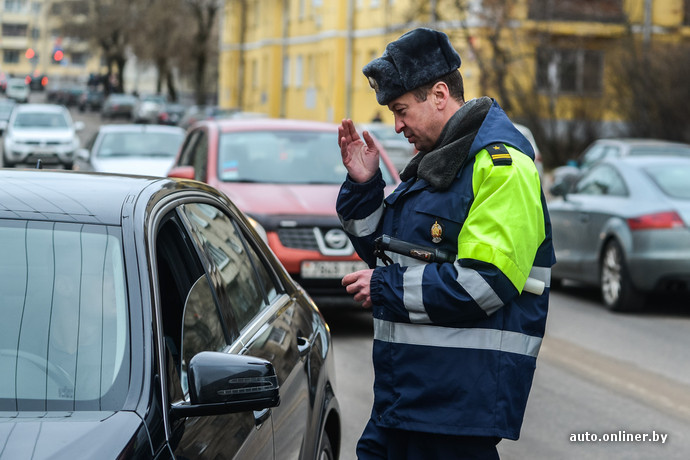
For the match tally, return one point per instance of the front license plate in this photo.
(330, 269)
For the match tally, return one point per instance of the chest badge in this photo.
(436, 232)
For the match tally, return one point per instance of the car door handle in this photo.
(303, 345)
(260, 416)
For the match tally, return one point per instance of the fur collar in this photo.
(440, 165)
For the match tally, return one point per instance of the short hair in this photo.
(453, 81)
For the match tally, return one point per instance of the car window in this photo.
(64, 335)
(149, 144)
(672, 181)
(602, 180)
(282, 156)
(41, 120)
(249, 284)
(194, 153)
(190, 314)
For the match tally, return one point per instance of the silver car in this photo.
(146, 150)
(43, 132)
(624, 227)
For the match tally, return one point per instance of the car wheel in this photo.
(617, 290)
(325, 449)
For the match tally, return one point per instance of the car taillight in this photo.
(659, 220)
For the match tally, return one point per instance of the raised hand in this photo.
(361, 159)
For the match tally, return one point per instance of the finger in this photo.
(350, 129)
(369, 140)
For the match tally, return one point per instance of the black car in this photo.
(144, 318)
(92, 99)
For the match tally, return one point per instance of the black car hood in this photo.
(65, 435)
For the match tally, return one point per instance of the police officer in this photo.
(455, 344)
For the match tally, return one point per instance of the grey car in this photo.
(624, 227)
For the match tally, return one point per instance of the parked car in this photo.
(147, 108)
(92, 100)
(6, 106)
(118, 105)
(171, 113)
(147, 150)
(43, 132)
(625, 228)
(145, 318)
(71, 96)
(17, 89)
(285, 174)
(617, 148)
(399, 150)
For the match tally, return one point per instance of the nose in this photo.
(399, 125)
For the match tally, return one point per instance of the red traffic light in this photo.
(58, 55)
(30, 53)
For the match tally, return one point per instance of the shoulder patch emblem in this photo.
(499, 154)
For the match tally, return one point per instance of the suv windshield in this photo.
(289, 157)
(64, 340)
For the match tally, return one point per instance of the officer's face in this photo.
(419, 121)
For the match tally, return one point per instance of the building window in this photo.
(299, 71)
(686, 12)
(570, 71)
(35, 33)
(286, 72)
(14, 30)
(15, 6)
(10, 56)
(79, 58)
(577, 10)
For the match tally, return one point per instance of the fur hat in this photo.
(418, 57)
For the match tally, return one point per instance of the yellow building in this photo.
(30, 40)
(303, 58)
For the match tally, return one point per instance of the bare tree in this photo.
(108, 24)
(203, 44)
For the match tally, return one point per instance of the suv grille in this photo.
(298, 238)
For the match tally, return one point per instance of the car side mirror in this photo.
(560, 188)
(221, 383)
(182, 172)
(83, 154)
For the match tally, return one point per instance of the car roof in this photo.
(259, 124)
(40, 108)
(132, 127)
(67, 196)
(631, 141)
(641, 161)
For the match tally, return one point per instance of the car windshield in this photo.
(64, 340)
(282, 156)
(139, 144)
(41, 120)
(673, 181)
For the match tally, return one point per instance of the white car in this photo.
(147, 108)
(146, 150)
(18, 90)
(43, 132)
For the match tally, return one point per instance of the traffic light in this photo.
(30, 53)
(58, 55)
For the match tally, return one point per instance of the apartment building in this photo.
(303, 58)
(31, 44)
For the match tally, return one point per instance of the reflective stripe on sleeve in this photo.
(413, 294)
(477, 287)
(542, 274)
(448, 337)
(363, 227)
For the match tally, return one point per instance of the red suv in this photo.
(285, 175)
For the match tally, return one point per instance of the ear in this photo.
(440, 95)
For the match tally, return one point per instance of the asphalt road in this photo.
(598, 374)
